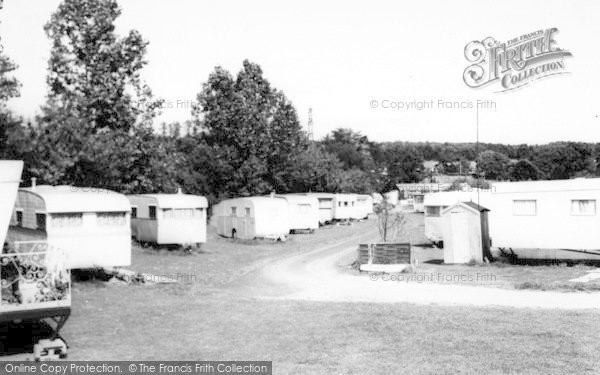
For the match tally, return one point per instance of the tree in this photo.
(355, 181)
(97, 120)
(493, 164)
(524, 170)
(561, 160)
(351, 148)
(252, 126)
(404, 164)
(314, 170)
(391, 223)
(9, 86)
(10, 127)
(92, 71)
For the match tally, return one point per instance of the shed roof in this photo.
(177, 200)
(473, 207)
(64, 199)
(476, 206)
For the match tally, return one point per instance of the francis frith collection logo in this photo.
(514, 63)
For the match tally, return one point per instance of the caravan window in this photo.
(65, 220)
(112, 219)
(346, 204)
(134, 212)
(152, 212)
(19, 218)
(583, 207)
(524, 207)
(247, 211)
(40, 221)
(233, 211)
(178, 213)
(325, 203)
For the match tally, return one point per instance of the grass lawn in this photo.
(504, 275)
(162, 322)
(208, 319)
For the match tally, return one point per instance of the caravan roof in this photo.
(445, 198)
(64, 199)
(546, 186)
(298, 199)
(322, 195)
(177, 200)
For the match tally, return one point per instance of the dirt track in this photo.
(316, 276)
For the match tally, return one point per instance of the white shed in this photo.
(253, 217)
(168, 219)
(434, 204)
(326, 201)
(10, 176)
(303, 211)
(364, 206)
(91, 225)
(344, 207)
(465, 228)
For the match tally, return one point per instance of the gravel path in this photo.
(316, 276)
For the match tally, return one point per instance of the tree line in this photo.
(97, 128)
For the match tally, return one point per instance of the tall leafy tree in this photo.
(98, 116)
(92, 70)
(315, 170)
(251, 125)
(352, 148)
(10, 127)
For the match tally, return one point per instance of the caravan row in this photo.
(95, 226)
(276, 216)
(541, 215)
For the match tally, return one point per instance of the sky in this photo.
(349, 61)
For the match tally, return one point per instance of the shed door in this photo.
(460, 237)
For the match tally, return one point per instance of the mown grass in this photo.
(154, 322)
(209, 318)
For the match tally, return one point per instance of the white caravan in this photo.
(91, 225)
(303, 211)
(253, 217)
(10, 177)
(168, 219)
(364, 206)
